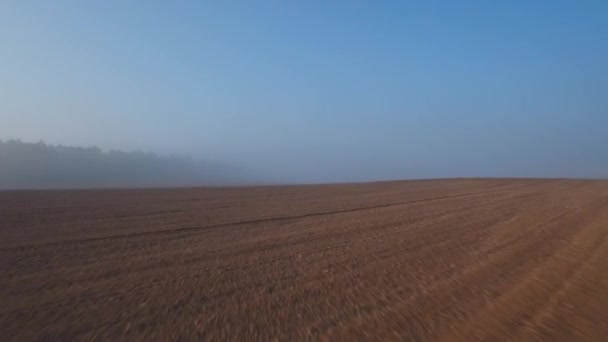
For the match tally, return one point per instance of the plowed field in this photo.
(466, 259)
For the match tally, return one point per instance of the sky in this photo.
(317, 91)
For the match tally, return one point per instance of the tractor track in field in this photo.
(459, 259)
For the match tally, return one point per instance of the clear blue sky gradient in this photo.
(317, 91)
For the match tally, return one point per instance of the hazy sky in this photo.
(317, 91)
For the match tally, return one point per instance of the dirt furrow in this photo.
(459, 259)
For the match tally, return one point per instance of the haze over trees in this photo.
(40, 165)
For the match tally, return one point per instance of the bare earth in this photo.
(472, 259)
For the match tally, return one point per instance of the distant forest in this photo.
(39, 165)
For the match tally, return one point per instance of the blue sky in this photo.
(317, 91)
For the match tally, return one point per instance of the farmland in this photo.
(460, 259)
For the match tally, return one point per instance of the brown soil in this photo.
(473, 259)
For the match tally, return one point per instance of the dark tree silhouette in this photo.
(38, 165)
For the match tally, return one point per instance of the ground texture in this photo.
(472, 259)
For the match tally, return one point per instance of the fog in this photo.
(305, 92)
(42, 166)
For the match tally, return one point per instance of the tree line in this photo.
(40, 165)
